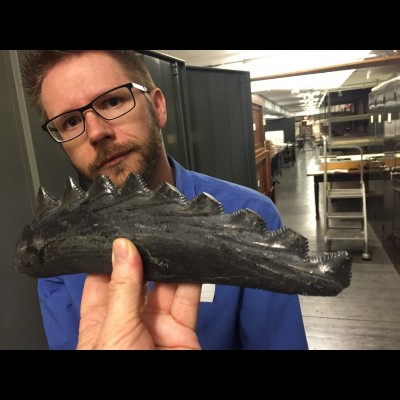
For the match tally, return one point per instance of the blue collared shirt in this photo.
(237, 318)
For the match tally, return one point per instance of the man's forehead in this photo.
(77, 80)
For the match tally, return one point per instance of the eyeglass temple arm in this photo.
(140, 87)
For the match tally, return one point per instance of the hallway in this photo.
(365, 315)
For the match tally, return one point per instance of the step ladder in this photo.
(356, 227)
(395, 180)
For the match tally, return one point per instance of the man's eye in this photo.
(69, 122)
(72, 122)
(111, 102)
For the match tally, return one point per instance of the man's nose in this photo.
(97, 128)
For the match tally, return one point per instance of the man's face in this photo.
(130, 143)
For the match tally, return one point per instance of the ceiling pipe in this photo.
(368, 63)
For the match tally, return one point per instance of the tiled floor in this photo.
(365, 315)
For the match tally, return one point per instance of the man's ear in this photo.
(160, 107)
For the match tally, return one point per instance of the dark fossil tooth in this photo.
(179, 240)
(72, 193)
(45, 202)
(204, 204)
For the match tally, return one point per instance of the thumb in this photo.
(126, 285)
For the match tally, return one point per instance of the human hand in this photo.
(115, 313)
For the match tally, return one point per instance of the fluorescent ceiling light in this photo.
(302, 60)
(325, 81)
(298, 60)
(270, 116)
(281, 61)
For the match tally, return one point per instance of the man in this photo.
(105, 110)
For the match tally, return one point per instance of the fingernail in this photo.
(120, 251)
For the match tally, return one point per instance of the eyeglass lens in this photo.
(109, 106)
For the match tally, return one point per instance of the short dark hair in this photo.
(38, 62)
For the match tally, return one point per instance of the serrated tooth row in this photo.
(329, 256)
(203, 204)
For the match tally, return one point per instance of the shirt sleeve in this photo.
(60, 312)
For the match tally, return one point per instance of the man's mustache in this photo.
(106, 152)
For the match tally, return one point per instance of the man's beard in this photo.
(149, 151)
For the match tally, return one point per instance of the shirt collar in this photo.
(183, 179)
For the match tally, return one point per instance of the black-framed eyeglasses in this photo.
(110, 105)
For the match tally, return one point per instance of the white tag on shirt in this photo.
(207, 292)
